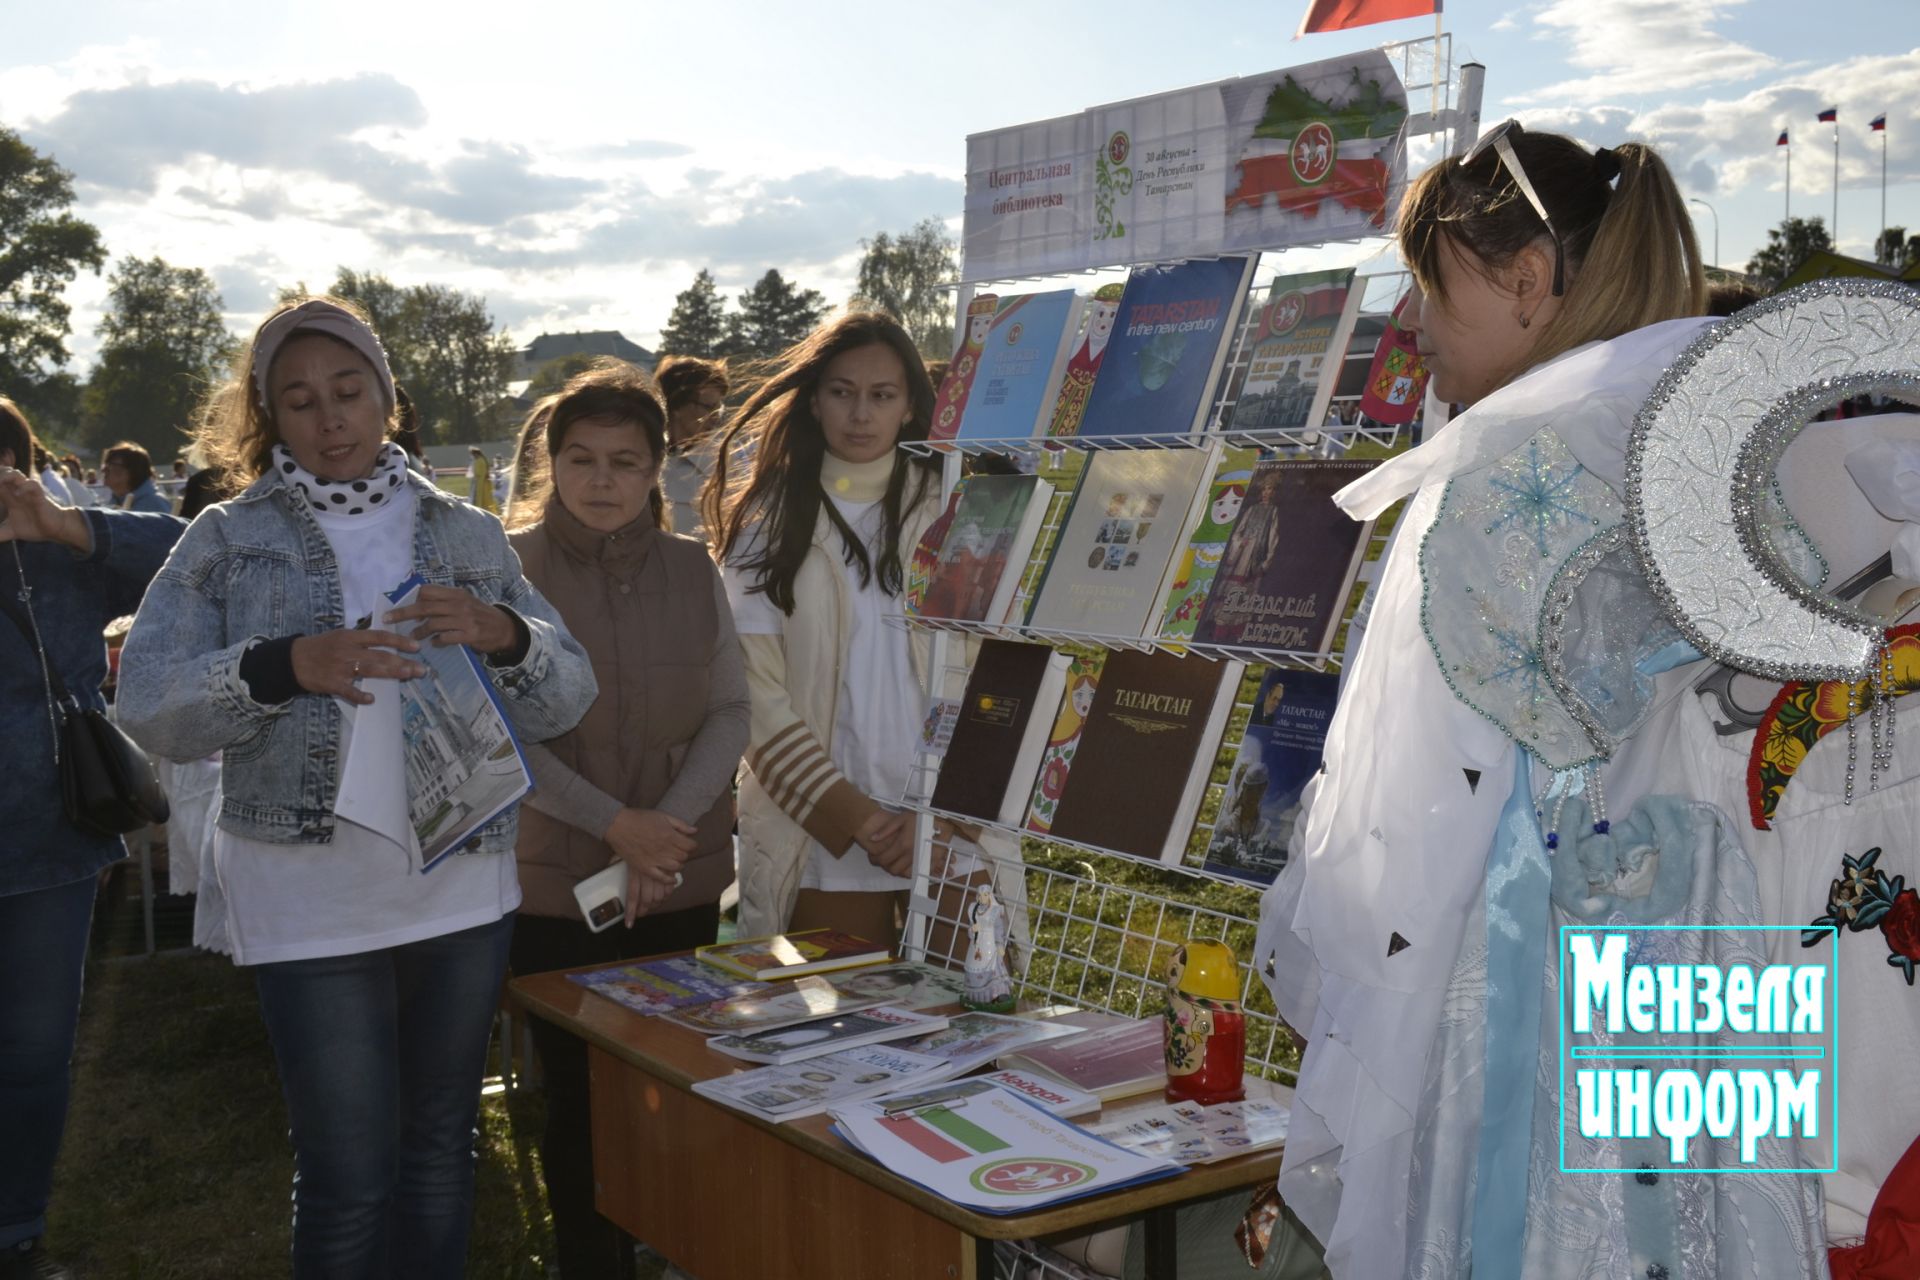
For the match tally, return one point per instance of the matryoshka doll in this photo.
(1206, 1033)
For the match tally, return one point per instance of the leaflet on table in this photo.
(906, 984)
(972, 1040)
(764, 1008)
(1193, 1134)
(827, 1035)
(463, 765)
(805, 1088)
(652, 987)
(1062, 1100)
(997, 1153)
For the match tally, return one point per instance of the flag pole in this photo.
(1883, 179)
(1836, 182)
(1789, 213)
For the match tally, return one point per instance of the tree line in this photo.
(164, 339)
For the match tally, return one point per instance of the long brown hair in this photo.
(779, 490)
(235, 431)
(607, 391)
(1631, 256)
(16, 436)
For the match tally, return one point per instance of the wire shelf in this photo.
(1300, 440)
(1102, 938)
(1307, 658)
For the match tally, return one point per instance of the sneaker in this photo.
(28, 1260)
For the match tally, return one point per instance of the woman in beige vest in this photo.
(646, 778)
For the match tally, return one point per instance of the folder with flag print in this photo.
(996, 1153)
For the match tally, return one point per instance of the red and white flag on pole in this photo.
(1338, 15)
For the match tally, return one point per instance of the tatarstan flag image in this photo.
(943, 1135)
(1306, 150)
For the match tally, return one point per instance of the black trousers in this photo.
(589, 1246)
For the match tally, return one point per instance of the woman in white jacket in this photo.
(1410, 937)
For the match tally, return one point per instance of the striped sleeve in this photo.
(790, 762)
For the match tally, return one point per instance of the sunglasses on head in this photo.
(1499, 140)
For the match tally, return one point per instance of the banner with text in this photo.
(1307, 155)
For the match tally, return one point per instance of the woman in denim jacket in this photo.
(266, 637)
(77, 571)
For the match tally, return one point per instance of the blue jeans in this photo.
(43, 946)
(380, 1058)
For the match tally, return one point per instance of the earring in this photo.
(1525, 321)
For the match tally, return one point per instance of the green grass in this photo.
(176, 1161)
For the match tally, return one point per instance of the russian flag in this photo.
(1830, 116)
(1878, 124)
(1783, 139)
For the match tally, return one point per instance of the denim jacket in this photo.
(74, 597)
(259, 567)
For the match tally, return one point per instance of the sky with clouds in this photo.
(577, 163)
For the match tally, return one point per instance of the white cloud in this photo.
(1644, 46)
(1729, 143)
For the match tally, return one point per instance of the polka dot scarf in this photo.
(346, 497)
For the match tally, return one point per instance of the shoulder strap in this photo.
(11, 607)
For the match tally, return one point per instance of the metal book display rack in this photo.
(1096, 928)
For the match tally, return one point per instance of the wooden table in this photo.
(728, 1196)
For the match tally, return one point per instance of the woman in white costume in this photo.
(1516, 684)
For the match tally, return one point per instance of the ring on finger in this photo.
(356, 671)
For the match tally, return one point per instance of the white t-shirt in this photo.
(876, 717)
(359, 893)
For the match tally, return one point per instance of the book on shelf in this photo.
(1111, 1062)
(1061, 1099)
(1083, 365)
(765, 1008)
(1145, 754)
(1028, 343)
(791, 955)
(985, 548)
(1397, 378)
(1012, 696)
(904, 984)
(1279, 755)
(1294, 350)
(996, 1153)
(780, 1093)
(827, 1035)
(971, 1040)
(1194, 571)
(925, 557)
(1290, 562)
(1056, 763)
(1129, 517)
(1168, 347)
(950, 397)
(651, 987)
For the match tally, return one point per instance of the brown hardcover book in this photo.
(1012, 698)
(1145, 753)
(1290, 562)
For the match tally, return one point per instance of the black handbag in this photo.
(108, 786)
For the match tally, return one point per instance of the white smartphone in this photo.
(603, 895)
